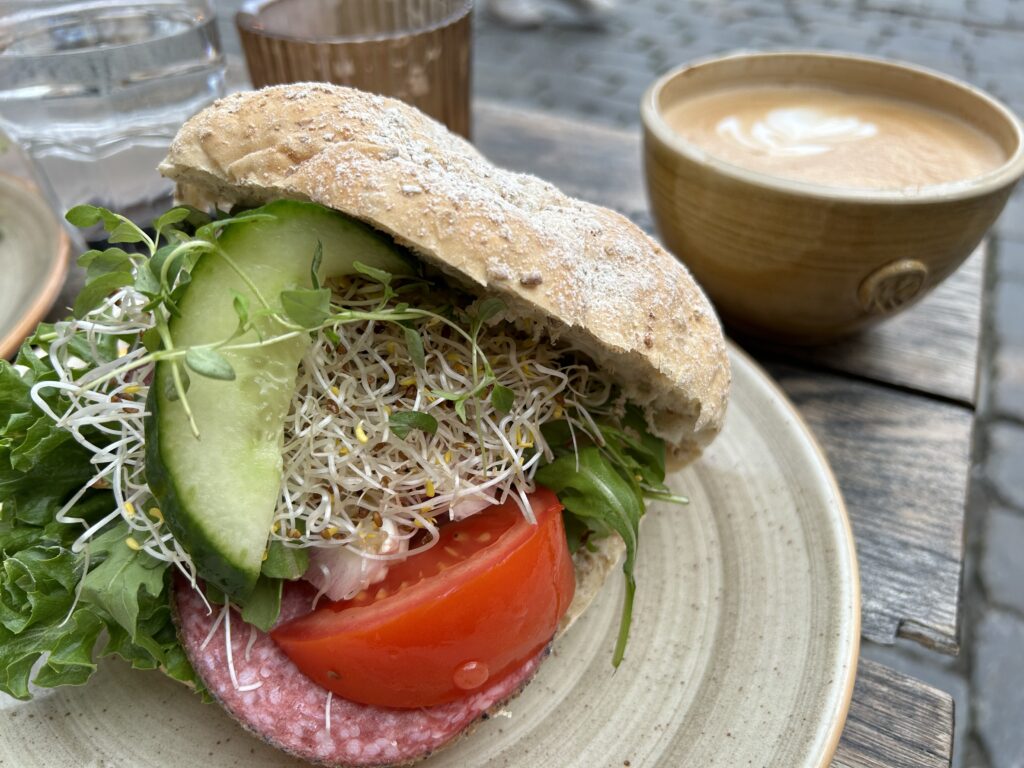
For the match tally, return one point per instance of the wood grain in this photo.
(931, 348)
(895, 722)
(902, 463)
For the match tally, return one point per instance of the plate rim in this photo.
(827, 731)
(50, 290)
(850, 551)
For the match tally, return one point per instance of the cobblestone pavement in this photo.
(600, 73)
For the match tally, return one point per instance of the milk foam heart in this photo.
(795, 131)
(835, 138)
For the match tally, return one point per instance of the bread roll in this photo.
(588, 274)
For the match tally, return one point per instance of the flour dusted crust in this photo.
(589, 274)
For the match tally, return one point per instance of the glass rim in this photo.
(248, 21)
(31, 14)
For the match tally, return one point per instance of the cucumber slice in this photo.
(218, 493)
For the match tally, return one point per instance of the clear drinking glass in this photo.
(415, 50)
(95, 91)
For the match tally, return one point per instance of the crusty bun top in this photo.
(593, 277)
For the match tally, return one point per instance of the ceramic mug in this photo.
(806, 263)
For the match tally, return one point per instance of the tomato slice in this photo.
(468, 611)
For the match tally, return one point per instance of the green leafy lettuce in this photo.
(58, 606)
(603, 486)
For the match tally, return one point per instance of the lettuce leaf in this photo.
(603, 488)
(56, 604)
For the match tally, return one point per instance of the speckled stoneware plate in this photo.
(743, 649)
(33, 260)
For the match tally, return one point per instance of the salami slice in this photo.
(272, 698)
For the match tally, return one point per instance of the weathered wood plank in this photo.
(902, 463)
(895, 722)
(931, 348)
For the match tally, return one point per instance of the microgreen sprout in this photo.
(401, 413)
(413, 403)
(438, 441)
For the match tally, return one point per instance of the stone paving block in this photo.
(940, 45)
(995, 50)
(1010, 224)
(998, 687)
(1002, 567)
(996, 61)
(842, 35)
(1006, 386)
(939, 9)
(972, 12)
(1005, 469)
(1007, 299)
(1001, 13)
(1005, 382)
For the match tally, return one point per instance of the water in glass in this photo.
(94, 92)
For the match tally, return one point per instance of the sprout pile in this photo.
(386, 437)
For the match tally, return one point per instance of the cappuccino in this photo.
(834, 138)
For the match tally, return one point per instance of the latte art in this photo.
(795, 132)
(834, 138)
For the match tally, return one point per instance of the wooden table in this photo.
(893, 410)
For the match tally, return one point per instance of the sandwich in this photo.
(351, 434)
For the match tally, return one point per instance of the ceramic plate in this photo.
(743, 648)
(33, 260)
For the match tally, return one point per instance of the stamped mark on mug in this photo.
(893, 286)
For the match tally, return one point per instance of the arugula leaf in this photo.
(38, 441)
(96, 352)
(604, 487)
(40, 615)
(404, 422)
(596, 493)
(14, 393)
(577, 533)
(34, 495)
